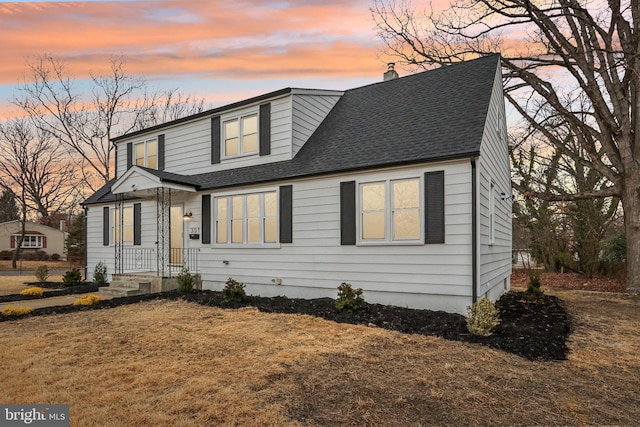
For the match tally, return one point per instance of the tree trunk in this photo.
(16, 252)
(631, 206)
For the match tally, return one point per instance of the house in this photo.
(38, 239)
(401, 188)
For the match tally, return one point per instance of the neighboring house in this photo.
(401, 188)
(38, 238)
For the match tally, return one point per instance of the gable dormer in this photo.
(265, 129)
(241, 133)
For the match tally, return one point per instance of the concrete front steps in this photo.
(124, 285)
(128, 284)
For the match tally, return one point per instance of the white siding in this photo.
(435, 276)
(315, 264)
(308, 112)
(493, 166)
(97, 252)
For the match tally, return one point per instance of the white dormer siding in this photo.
(187, 145)
(309, 110)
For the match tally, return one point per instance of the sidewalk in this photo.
(51, 302)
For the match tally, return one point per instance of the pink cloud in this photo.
(246, 39)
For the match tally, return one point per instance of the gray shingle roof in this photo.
(430, 116)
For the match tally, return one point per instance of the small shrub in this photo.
(233, 292)
(186, 282)
(100, 274)
(55, 257)
(26, 255)
(90, 299)
(533, 292)
(42, 273)
(72, 277)
(349, 299)
(482, 318)
(33, 291)
(13, 311)
(6, 255)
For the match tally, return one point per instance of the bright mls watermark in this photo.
(34, 415)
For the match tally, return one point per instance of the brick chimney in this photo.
(391, 73)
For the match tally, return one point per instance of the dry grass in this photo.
(15, 284)
(32, 265)
(179, 364)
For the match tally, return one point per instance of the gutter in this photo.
(474, 232)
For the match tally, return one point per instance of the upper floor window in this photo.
(127, 225)
(247, 218)
(146, 154)
(390, 211)
(241, 136)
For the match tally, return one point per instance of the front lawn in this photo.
(178, 363)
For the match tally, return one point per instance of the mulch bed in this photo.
(535, 331)
(59, 290)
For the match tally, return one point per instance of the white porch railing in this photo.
(147, 260)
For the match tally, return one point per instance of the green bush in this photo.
(349, 299)
(100, 274)
(42, 273)
(186, 282)
(533, 292)
(72, 277)
(482, 317)
(233, 292)
(615, 249)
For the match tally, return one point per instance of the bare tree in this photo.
(579, 64)
(118, 103)
(33, 164)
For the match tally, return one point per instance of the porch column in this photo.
(163, 229)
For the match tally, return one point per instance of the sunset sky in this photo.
(223, 50)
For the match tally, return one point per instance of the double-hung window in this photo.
(123, 229)
(247, 218)
(146, 154)
(241, 136)
(390, 211)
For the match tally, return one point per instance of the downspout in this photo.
(474, 232)
(86, 232)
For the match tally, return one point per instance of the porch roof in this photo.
(139, 181)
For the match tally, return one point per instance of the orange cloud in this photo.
(241, 39)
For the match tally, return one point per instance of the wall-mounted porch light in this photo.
(187, 214)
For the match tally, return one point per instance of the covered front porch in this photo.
(151, 247)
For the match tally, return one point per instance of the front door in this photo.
(176, 238)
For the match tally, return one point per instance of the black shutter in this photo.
(215, 140)
(286, 214)
(137, 224)
(129, 155)
(161, 152)
(105, 226)
(348, 213)
(434, 207)
(265, 129)
(206, 218)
